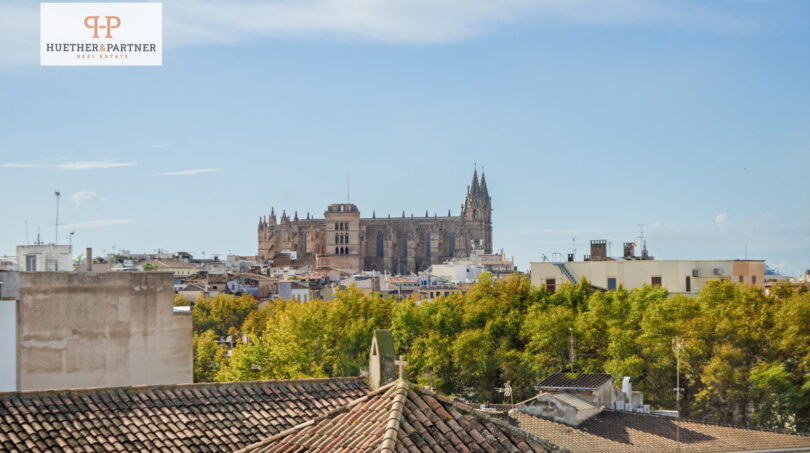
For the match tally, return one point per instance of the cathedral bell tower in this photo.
(477, 213)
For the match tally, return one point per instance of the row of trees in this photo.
(745, 356)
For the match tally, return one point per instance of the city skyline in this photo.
(588, 119)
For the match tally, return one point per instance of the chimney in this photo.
(629, 250)
(381, 367)
(599, 250)
(627, 388)
(89, 259)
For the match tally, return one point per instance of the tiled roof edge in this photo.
(726, 425)
(392, 427)
(482, 416)
(338, 410)
(186, 385)
(519, 432)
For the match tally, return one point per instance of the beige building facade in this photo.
(84, 329)
(677, 276)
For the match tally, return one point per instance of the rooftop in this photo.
(619, 431)
(400, 417)
(581, 381)
(210, 417)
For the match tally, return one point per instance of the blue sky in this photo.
(588, 117)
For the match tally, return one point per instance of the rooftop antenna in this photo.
(642, 241)
(39, 241)
(56, 238)
(574, 251)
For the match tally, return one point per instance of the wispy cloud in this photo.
(721, 219)
(73, 165)
(92, 164)
(193, 171)
(97, 224)
(160, 145)
(195, 22)
(13, 165)
(84, 196)
(415, 21)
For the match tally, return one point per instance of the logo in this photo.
(94, 20)
(101, 34)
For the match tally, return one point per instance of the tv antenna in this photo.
(56, 238)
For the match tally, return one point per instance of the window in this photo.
(427, 244)
(741, 279)
(655, 281)
(31, 263)
(379, 245)
(404, 240)
(611, 283)
(452, 244)
(688, 284)
(337, 238)
(754, 279)
(551, 285)
(336, 251)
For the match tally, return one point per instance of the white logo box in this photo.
(127, 34)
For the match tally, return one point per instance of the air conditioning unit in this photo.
(717, 271)
(695, 273)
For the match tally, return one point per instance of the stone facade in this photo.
(343, 240)
(86, 329)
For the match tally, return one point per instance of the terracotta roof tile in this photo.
(192, 417)
(401, 418)
(619, 431)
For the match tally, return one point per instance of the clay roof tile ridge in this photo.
(389, 440)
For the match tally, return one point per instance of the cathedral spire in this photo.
(474, 188)
(484, 184)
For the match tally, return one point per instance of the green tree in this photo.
(223, 313)
(209, 356)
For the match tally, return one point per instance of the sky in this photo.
(589, 118)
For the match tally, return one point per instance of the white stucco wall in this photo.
(60, 255)
(8, 345)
